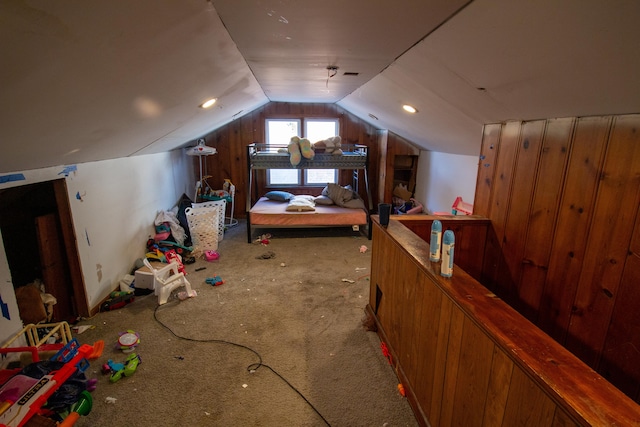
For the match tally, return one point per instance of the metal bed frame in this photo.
(268, 156)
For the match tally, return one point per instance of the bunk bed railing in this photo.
(269, 156)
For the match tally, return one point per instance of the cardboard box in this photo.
(143, 278)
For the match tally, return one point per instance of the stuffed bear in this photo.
(294, 151)
(331, 145)
(297, 149)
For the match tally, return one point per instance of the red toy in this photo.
(386, 353)
(171, 256)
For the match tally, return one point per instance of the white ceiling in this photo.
(83, 80)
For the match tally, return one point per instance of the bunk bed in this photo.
(267, 214)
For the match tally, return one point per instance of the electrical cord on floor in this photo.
(251, 368)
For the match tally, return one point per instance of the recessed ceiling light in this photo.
(409, 108)
(208, 103)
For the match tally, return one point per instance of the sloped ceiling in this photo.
(85, 80)
(499, 60)
(88, 80)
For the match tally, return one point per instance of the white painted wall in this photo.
(10, 322)
(442, 177)
(113, 204)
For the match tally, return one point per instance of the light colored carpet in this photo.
(294, 313)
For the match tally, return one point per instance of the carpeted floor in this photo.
(299, 313)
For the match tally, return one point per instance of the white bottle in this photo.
(448, 243)
(436, 241)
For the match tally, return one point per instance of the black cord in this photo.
(251, 368)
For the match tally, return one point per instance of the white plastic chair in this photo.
(166, 279)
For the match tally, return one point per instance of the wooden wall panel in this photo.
(609, 239)
(393, 293)
(479, 362)
(568, 253)
(500, 202)
(561, 419)
(394, 145)
(527, 405)
(574, 216)
(619, 363)
(486, 168)
(621, 352)
(451, 365)
(543, 215)
(423, 380)
(516, 221)
(442, 353)
(474, 370)
(409, 314)
(498, 388)
(470, 234)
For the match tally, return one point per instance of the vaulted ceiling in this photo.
(83, 80)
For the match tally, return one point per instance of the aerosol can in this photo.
(436, 241)
(448, 243)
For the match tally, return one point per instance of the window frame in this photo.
(302, 178)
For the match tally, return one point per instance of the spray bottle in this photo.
(436, 241)
(448, 243)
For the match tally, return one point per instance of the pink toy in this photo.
(460, 206)
(171, 256)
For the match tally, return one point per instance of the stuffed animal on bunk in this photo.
(299, 148)
(331, 145)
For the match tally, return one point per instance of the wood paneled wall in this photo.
(231, 141)
(564, 250)
(466, 358)
(391, 145)
(470, 232)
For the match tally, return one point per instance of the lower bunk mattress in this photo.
(269, 213)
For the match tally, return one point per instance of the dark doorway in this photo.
(40, 244)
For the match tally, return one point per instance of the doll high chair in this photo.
(166, 279)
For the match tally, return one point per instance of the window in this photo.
(280, 131)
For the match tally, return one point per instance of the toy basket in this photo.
(222, 206)
(204, 227)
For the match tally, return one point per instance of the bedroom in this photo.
(121, 179)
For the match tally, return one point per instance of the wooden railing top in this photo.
(572, 384)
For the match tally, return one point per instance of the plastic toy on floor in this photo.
(118, 370)
(81, 408)
(166, 279)
(117, 299)
(128, 341)
(263, 239)
(215, 281)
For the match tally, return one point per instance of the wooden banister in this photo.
(465, 357)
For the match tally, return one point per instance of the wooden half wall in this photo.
(564, 248)
(466, 358)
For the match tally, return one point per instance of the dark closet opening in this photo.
(35, 225)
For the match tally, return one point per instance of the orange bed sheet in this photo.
(273, 213)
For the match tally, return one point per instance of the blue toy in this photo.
(215, 281)
(117, 370)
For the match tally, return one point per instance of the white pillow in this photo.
(301, 204)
